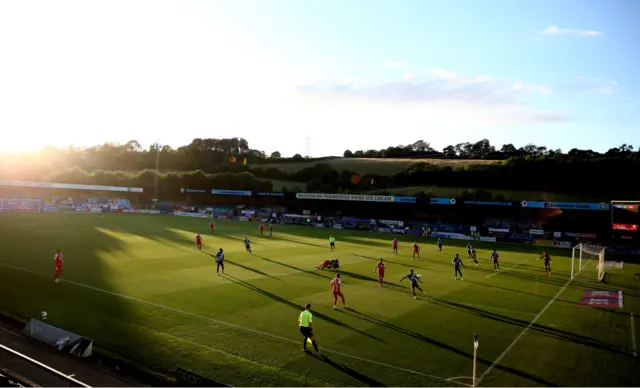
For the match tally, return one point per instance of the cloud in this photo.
(557, 31)
(436, 85)
(584, 85)
(437, 98)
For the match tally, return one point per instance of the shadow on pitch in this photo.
(246, 267)
(385, 260)
(296, 306)
(517, 291)
(368, 381)
(543, 330)
(300, 242)
(390, 286)
(308, 271)
(446, 347)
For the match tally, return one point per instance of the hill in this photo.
(376, 166)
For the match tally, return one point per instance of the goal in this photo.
(588, 259)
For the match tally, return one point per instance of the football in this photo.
(418, 275)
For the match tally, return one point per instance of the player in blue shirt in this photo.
(220, 261)
(457, 263)
(439, 244)
(469, 249)
(414, 279)
(270, 229)
(494, 259)
(247, 244)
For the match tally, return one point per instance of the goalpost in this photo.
(582, 256)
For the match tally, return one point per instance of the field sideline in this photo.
(137, 286)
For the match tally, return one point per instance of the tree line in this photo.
(482, 149)
(232, 164)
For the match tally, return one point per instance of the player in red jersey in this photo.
(380, 267)
(416, 251)
(395, 246)
(261, 229)
(58, 260)
(199, 241)
(324, 264)
(212, 226)
(337, 291)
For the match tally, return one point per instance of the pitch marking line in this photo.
(455, 379)
(633, 337)
(526, 329)
(274, 336)
(513, 266)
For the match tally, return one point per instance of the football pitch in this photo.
(138, 287)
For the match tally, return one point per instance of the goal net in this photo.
(587, 261)
(20, 204)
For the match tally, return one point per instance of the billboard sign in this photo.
(565, 205)
(346, 197)
(242, 193)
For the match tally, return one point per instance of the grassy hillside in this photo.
(369, 165)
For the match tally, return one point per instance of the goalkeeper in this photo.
(547, 262)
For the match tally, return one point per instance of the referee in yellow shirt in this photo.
(305, 322)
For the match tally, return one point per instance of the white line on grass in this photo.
(513, 266)
(455, 380)
(633, 337)
(275, 336)
(533, 322)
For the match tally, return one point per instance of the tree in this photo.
(482, 149)
(509, 150)
(297, 157)
(276, 155)
(348, 154)
(421, 147)
(449, 151)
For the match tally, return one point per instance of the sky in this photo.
(317, 77)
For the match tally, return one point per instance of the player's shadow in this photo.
(368, 381)
(543, 330)
(516, 291)
(447, 347)
(365, 241)
(310, 272)
(257, 271)
(385, 260)
(297, 306)
(391, 286)
(300, 242)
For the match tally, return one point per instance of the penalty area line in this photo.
(513, 266)
(217, 321)
(526, 329)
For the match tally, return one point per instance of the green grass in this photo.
(365, 166)
(137, 286)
